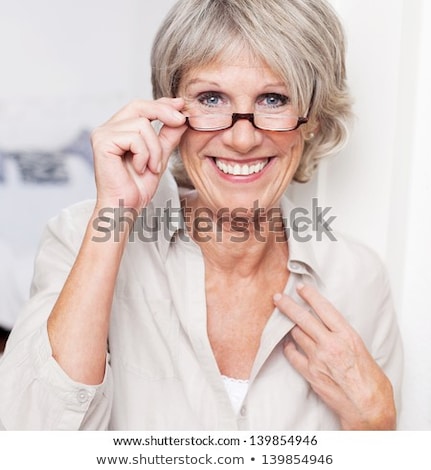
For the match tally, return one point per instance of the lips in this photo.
(240, 169)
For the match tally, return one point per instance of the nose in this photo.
(242, 136)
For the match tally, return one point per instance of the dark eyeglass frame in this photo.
(250, 117)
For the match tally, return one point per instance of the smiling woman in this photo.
(219, 315)
(235, 168)
(309, 42)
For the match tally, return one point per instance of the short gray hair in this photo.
(302, 41)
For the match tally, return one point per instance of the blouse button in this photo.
(243, 411)
(83, 396)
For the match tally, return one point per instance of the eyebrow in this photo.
(196, 81)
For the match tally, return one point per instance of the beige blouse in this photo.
(160, 371)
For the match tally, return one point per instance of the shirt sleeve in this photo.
(35, 393)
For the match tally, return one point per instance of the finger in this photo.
(304, 341)
(318, 379)
(146, 181)
(169, 140)
(160, 145)
(121, 144)
(144, 131)
(154, 146)
(166, 110)
(302, 317)
(323, 308)
(297, 359)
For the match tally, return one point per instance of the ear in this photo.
(310, 130)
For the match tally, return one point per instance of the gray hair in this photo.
(302, 41)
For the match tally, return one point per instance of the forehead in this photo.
(225, 68)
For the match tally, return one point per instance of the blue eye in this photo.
(210, 99)
(273, 100)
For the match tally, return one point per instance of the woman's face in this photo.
(240, 167)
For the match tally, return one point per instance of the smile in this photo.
(244, 169)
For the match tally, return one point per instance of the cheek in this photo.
(190, 147)
(192, 150)
(291, 148)
(185, 150)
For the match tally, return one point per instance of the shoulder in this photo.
(355, 279)
(75, 214)
(313, 241)
(70, 223)
(349, 264)
(347, 253)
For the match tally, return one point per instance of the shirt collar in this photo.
(167, 202)
(301, 240)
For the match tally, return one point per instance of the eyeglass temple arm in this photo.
(313, 95)
(304, 119)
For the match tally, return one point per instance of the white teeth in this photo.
(243, 170)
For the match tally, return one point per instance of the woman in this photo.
(188, 302)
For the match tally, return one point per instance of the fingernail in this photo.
(300, 286)
(277, 297)
(159, 167)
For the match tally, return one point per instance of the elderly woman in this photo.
(182, 299)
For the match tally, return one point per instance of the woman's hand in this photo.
(332, 357)
(130, 155)
(129, 159)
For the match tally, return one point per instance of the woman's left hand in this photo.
(332, 357)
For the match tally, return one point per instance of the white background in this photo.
(69, 65)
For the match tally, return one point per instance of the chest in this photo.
(236, 317)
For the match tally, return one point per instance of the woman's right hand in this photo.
(130, 155)
(129, 158)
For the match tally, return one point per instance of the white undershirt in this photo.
(237, 390)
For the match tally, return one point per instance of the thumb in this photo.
(170, 138)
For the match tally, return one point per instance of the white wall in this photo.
(72, 61)
(65, 65)
(415, 308)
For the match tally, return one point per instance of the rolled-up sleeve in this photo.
(35, 393)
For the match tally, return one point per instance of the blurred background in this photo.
(66, 67)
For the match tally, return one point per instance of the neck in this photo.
(238, 243)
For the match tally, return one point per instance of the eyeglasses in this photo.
(265, 122)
